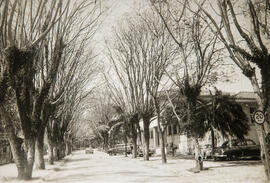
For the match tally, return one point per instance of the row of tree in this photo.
(45, 64)
(189, 45)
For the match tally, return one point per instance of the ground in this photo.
(102, 168)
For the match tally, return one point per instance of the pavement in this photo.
(102, 168)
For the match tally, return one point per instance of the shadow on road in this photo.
(237, 164)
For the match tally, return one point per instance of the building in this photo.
(184, 144)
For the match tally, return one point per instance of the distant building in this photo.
(184, 144)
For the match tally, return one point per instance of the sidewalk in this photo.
(8, 172)
(245, 171)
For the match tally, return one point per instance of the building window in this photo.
(169, 130)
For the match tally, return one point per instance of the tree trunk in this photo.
(19, 157)
(134, 140)
(212, 140)
(134, 149)
(105, 142)
(30, 147)
(56, 153)
(140, 135)
(68, 149)
(163, 154)
(23, 156)
(263, 130)
(198, 156)
(50, 154)
(50, 149)
(63, 150)
(146, 140)
(39, 161)
(125, 141)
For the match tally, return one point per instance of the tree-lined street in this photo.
(102, 168)
(143, 82)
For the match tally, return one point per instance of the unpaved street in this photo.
(101, 168)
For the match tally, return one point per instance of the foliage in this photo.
(221, 112)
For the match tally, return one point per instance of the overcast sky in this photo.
(121, 8)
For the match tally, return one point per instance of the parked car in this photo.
(206, 150)
(89, 150)
(237, 149)
(120, 149)
(140, 151)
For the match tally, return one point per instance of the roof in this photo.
(245, 98)
(245, 95)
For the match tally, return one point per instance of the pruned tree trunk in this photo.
(23, 156)
(134, 140)
(50, 150)
(105, 142)
(68, 148)
(163, 153)
(56, 153)
(198, 156)
(212, 140)
(39, 160)
(30, 149)
(62, 150)
(146, 140)
(19, 157)
(23, 150)
(263, 130)
(125, 141)
(134, 150)
(50, 154)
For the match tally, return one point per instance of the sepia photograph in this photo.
(135, 91)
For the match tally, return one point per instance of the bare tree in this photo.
(22, 37)
(247, 43)
(73, 86)
(59, 60)
(126, 114)
(140, 55)
(101, 113)
(200, 57)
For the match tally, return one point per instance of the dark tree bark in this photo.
(212, 140)
(125, 141)
(163, 153)
(50, 149)
(134, 140)
(146, 135)
(21, 72)
(39, 162)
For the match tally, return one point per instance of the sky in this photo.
(120, 8)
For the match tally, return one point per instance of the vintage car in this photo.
(140, 151)
(206, 151)
(89, 150)
(120, 149)
(237, 149)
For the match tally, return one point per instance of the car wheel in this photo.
(231, 157)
